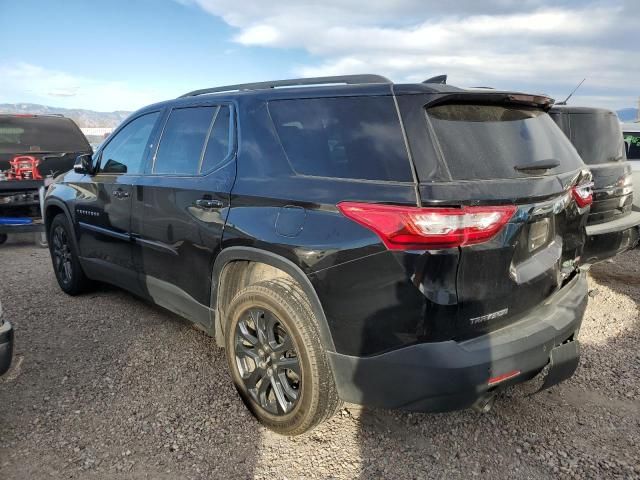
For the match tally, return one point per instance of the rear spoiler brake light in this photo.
(533, 100)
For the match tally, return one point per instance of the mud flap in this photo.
(563, 362)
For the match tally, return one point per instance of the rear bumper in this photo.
(606, 240)
(36, 226)
(453, 375)
(620, 224)
(6, 346)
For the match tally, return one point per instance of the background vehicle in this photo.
(33, 149)
(345, 238)
(631, 135)
(6, 343)
(612, 226)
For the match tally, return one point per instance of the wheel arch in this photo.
(52, 208)
(232, 255)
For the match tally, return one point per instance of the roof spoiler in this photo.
(441, 79)
(494, 97)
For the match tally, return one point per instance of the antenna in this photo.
(571, 94)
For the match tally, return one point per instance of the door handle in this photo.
(120, 193)
(208, 204)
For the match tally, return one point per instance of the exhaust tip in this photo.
(485, 403)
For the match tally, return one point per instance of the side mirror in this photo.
(84, 164)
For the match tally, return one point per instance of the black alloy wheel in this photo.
(267, 361)
(62, 256)
(276, 357)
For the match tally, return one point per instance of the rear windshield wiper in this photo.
(539, 165)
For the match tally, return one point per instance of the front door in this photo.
(180, 209)
(103, 203)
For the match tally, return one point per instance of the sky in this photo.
(124, 54)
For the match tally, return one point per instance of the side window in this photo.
(183, 138)
(218, 144)
(125, 152)
(349, 137)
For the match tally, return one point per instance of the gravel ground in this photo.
(107, 386)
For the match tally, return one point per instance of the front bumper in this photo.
(6, 346)
(453, 375)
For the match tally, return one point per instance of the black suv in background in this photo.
(612, 226)
(631, 134)
(33, 149)
(409, 246)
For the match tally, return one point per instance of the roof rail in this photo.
(293, 82)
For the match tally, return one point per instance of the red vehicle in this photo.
(33, 150)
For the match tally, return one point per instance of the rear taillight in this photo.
(415, 228)
(583, 194)
(626, 182)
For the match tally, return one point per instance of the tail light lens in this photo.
(626, 182)
(414, 228)
(583, 194)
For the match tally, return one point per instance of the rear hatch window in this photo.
(597, 137)
(486, 142)
(346, 137)
(40, 134)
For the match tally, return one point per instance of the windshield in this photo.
(40, 134)
(632, 143)
(597, 137)
(490, 141)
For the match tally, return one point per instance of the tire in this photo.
(293, 400)
(64, 257)
(3, 238)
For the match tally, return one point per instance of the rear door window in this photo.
(183, 138)
(632, 144)
(484, 142)
(346, 137)
(597, 137)
(217, 148)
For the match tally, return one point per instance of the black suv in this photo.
(344, 238)
(612, 226)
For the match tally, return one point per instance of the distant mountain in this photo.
(628, 114)
(84, 118)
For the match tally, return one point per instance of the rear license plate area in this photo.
(563, 362)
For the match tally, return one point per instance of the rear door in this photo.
(180, 208)
(470, 154)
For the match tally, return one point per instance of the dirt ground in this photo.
(105, 386)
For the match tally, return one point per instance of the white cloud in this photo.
(62, 89)
(548, 44)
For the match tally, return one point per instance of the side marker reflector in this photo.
(501, 378)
